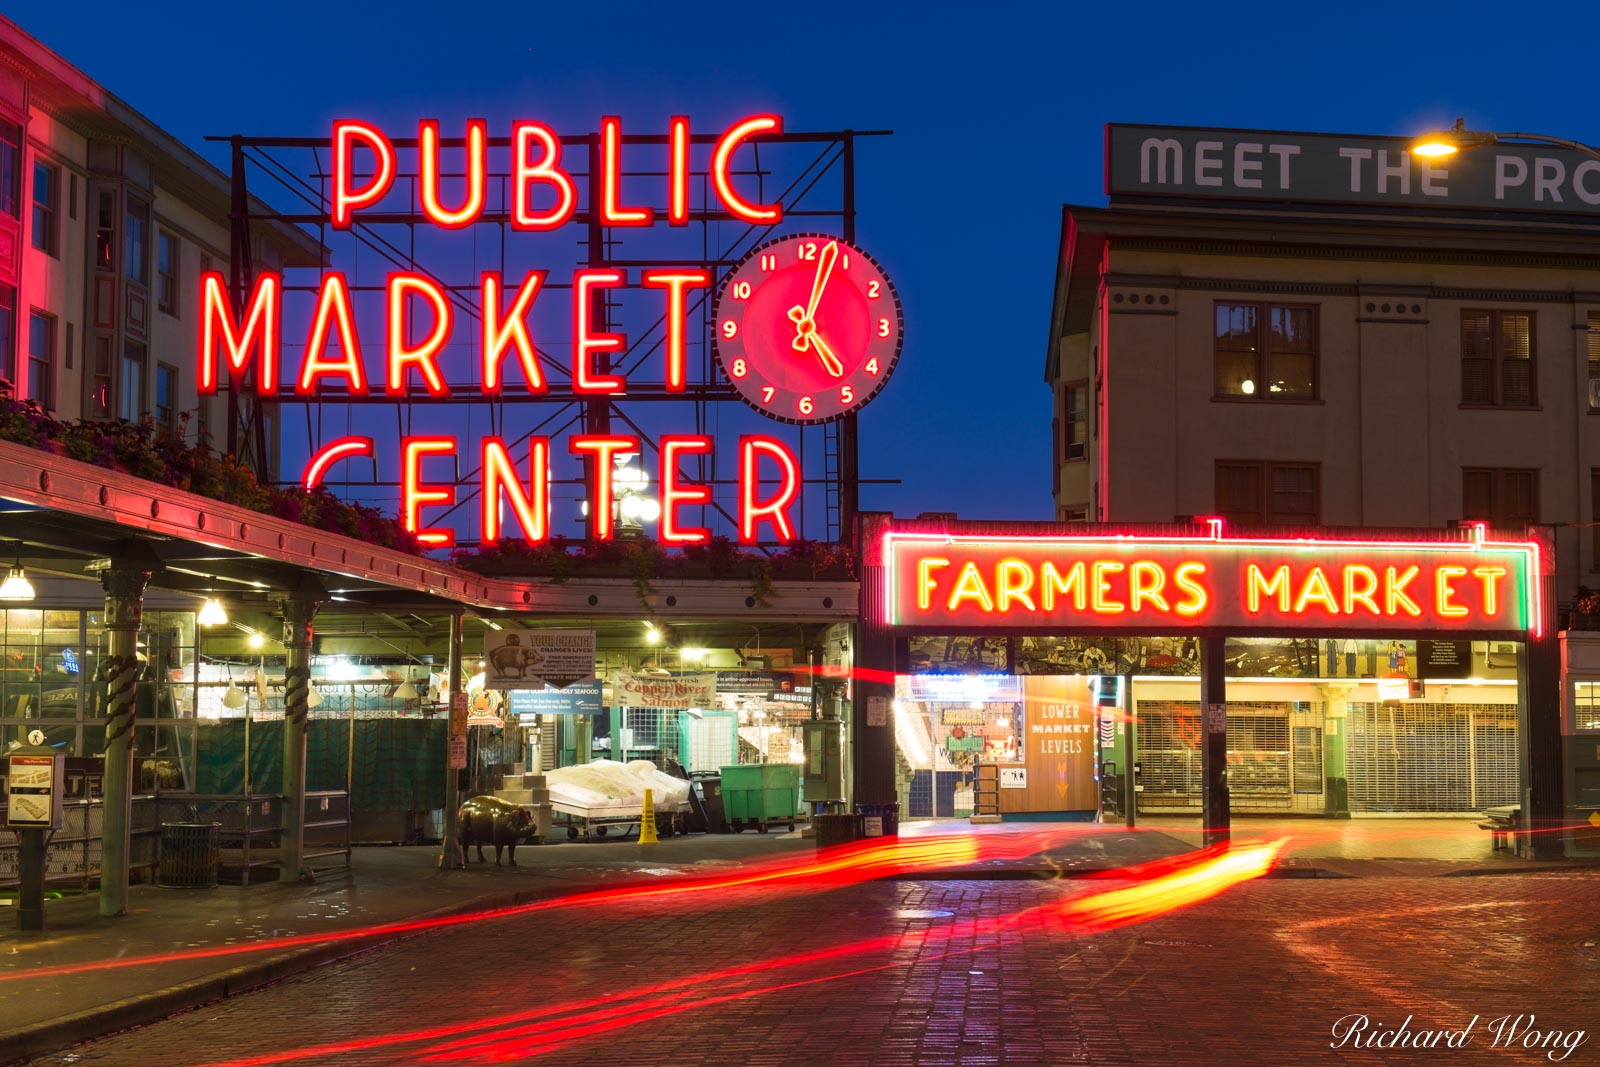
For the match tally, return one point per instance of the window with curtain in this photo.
(1497, 358)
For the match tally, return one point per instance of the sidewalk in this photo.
(46, 1006)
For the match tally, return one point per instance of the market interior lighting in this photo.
(16, 588)
(692, 655)
(257, 641)
(652, 635)
(406, 691)
(212, 613)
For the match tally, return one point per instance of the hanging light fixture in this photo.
(212, 613)
(16, 588)
(233, 697)
(313, 698)
(406, 691)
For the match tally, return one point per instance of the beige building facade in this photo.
(106, 223)
(1285, 363)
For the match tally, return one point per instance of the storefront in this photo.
(1327, 674)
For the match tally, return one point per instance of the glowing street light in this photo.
(1441, 143)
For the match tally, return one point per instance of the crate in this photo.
(759, 794)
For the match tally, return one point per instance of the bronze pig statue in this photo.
(490, 820)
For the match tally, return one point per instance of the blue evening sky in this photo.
(997, 110)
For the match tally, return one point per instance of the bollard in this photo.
(647, 820)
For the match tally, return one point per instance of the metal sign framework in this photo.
(812, 175)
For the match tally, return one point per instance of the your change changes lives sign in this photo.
(531, 659)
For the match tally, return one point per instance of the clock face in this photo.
(808, 328)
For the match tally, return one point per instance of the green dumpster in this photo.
(761, 794)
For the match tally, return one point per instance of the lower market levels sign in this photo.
(1149, 584)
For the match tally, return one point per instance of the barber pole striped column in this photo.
(124, 581)
(298, 611)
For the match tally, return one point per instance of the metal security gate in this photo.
(1274, 755)
(1431, 757)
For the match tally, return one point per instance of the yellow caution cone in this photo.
(647, 820)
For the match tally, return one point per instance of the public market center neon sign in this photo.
(543, 196)
(1140, 584)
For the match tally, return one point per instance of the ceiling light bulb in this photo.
(16, 587)
(257, 641)
(212, 613)
(234, 697)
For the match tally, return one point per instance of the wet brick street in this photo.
(924, 973)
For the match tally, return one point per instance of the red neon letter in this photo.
(1014, 581)
(678, 170)
(512, 331)
(401, 354)
(1394, 591)
(1073, 584)
(260, 332)
(414, 495)
(1146, 582)
(737, 134)
(331, 453)
(775, 509)
(585, 343)
(1100, 600)
(333, 303)
(547, 170)
(674, 495)
(602, 449)
(612, 213)
(346, 198)
(1316, 589)
(1194, 590)
(532, 507)
(675, 282)
(428, 170)
(1257, 585)
(926, 583)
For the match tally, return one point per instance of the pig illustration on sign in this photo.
(492, 821)
(512, 660)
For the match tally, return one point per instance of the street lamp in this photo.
(1440, 143)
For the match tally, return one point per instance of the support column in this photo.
(450, 857)
(872, 737)
(1214, 742)
(1335, 779)
(1539, 719)
(298, 611)
(123, 577)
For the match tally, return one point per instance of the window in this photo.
(1497, 359)
(1585, 706)
(10, 168)
(131, 399)
(1075, 409)
(42, 359)
(1505, 499)
(167, 272)
(105, 233)
(1251, 493)
(1594, 518)
(100, 380)
(137, 266)
(1594, 344)
(167, 396)
(1077, 514)
(46, 207)
(8, 331)
(1266, 351)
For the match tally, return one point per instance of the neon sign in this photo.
(242, 342)
(1139, 584)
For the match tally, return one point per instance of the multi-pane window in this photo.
(1075, 427)
(166, 272)
(10, 169)
(166, 395)
(1594, 517)
(42, 359)
(1594, 345)
(1260, 493)
(137, 265)
(1266, 351)
(46, 207)
(131, 397)
(1505, 499)
(100, 379)
(105, 232)
(8, 330)
(1497, 362)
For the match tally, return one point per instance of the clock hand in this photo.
(830, 253)
(807, 338)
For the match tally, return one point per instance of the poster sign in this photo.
(34, 784)
(753, 683)
(516, 658)
(964, 688)
(1444, 659)
(1216, 718)
(877, 711)
(1013, 777)
(1058, 745)
(458, 753)
(580, 698)
(629, 690)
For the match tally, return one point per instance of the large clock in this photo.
(808, 328)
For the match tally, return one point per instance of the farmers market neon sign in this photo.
(1278, 584)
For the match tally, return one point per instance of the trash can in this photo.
(189, 855)
(836, 829)
(710, 790)
(879, 820)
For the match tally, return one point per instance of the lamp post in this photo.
(1458, 138)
